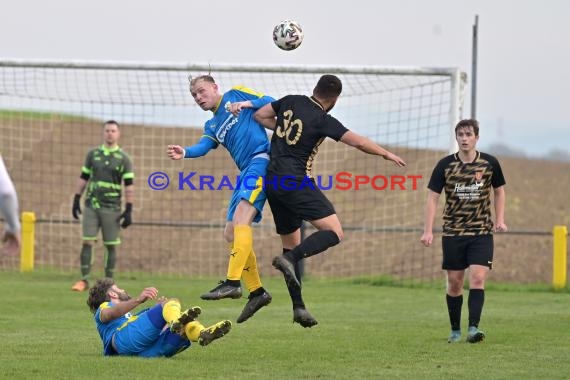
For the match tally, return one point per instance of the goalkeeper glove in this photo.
(76, 210)
(126, 216)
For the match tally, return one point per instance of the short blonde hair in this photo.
(206, 77)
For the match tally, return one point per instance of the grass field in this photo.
(364, 332)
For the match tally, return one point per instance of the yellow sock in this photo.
(171, 310)
(250, 273)
(243, 244)
(193, 330)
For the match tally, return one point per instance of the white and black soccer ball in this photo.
(288, 35)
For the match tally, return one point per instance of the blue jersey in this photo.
(241, 135)
(106, 330)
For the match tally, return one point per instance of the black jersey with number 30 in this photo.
(302, 125)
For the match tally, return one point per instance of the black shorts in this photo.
(459, 252)
(291, 205)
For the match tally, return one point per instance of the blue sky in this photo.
(524, 56)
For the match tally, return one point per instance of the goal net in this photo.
(51, 114)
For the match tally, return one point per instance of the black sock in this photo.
(257, 292)
(294, 292)
(475, 304)
(299, 269)
(315, 243)
(234, 283)
(454, 305)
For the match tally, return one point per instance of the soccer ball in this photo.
(288, 35)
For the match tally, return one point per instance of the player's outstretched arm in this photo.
(175, 152)
(11, 243)
(206, 143)
(266, 117)
(9, 210)
(124, 307)
(395, 159)
(235, 108)
(366, 145)
(8, 200)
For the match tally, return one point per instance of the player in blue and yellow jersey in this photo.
(233, 127)
(161, 330)
(105, 168)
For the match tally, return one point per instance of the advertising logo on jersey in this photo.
(226, 126)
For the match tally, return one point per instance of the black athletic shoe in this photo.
(188, 316)
(254, 304)
(288, 269)
(223, 290)
(208, 335)
(303, 317)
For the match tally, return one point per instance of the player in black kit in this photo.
(468, 178)
(301, 125)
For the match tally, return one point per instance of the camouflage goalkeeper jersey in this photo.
(468, 187)
(106, 169)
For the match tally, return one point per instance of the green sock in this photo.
(110, 260)
(86, 256)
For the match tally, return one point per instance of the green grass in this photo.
(364, 332)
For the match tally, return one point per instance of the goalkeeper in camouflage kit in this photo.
(105, 168)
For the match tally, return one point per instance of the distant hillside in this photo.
(500, 149)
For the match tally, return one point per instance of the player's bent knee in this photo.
(454, 286)
(454, 289)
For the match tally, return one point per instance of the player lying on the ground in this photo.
(161, 330)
